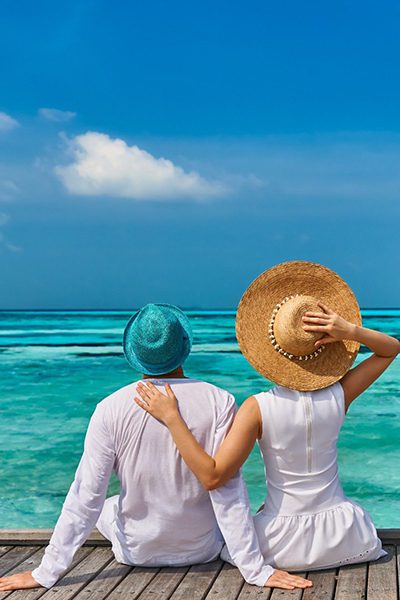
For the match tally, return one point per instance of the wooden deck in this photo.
(95, 575)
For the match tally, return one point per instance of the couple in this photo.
(182, 498)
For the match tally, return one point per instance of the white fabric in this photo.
(307, 521)
(162, 516)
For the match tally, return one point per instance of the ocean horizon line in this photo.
(132, 310)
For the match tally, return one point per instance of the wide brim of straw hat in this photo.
(254, 315)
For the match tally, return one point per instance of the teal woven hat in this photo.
(157, 339)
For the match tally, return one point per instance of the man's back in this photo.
(164, 515)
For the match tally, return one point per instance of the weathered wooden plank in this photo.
(295, 594)
(227, 585)
(164, 583)
(324, 585)
(72, 583)
(104, 582)
(397, 550)
(133, 584)
(102, 577)
(389, 535)
(197, 581)
(36, 593)
(352, 582)
(14, 557)
(40, 537)
(382, 577)
(251, 592)
(398, 567)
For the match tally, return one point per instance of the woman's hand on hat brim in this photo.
(328, 323)
(163, 407)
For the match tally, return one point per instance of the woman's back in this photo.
(307, 522)
(298, 444)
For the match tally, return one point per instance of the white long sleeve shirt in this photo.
(165, 517)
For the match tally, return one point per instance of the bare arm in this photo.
(384, 347)
(212, 472)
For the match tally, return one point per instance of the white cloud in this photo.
(56, 115)
(6, 122)
(106, 166)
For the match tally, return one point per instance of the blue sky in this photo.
(172, 151)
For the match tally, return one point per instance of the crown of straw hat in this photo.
(269, 325)
(157, 339)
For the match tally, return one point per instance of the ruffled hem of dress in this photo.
(357, 558)
(338, 535)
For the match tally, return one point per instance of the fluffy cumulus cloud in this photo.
(105, 166)
(7, 122)
(56, 115)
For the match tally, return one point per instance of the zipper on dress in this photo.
(308, 413)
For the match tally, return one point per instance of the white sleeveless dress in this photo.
(307, 522)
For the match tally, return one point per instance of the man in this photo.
(162, 516)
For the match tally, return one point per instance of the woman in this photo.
(299, 324)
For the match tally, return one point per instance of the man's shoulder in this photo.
(223, 400)
(207, 384)
(118, 397)
(120, 400)
(128, 391)
(212, 388)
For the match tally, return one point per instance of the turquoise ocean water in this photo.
(55, 367)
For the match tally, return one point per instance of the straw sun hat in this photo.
(270, 332)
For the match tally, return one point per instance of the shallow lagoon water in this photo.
(55, 366)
